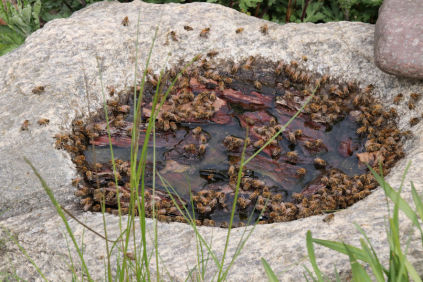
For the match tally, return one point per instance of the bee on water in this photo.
(205, 32)
(320, 163)
(125, 21)
(301, 172)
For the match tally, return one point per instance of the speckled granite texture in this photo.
(58, 55)
(399, 38)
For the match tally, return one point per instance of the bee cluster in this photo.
(254, 96)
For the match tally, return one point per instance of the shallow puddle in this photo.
(312, 167)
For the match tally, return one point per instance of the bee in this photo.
(325, 78)
(291, 137)
(258, 143)
(301, 171)
(257, 84)
(361, 130)
(276, 152)
(188, 28)
(264, 29)
(243, 203)
(414, 121)
(304, 58)
(38, 89)
(76, 181)
(239, 30)
(292, 156)
(411, 105)
(43, 121)
(279, 68)
(320, 163)
(173, 35)
(203, 139)
(415, 96)
(254, 195)
(369, 88)
(202, 149)
(196, 130)
(190, 148)
(124, 109)
(398, 98)
(248, 63)
(379, 122)
(173, 126)
(212, 53)
(205, 32)
(235, 68)
(125, 21)
(298, 133)
(25, 125)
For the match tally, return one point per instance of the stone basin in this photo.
(64, 51)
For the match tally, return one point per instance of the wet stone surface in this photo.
(316, 165)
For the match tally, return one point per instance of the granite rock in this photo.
(399, 38)
(64, 51)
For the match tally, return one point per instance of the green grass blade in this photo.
(312, 256)
(412, 271)
(340, 248)
(269, 272)
(25, 254)
(417, 201)
(395, 197)
(374, 262)
(49, 192)
(359, 274)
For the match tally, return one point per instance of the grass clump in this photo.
(364, 261)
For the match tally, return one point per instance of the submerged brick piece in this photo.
(399, 38)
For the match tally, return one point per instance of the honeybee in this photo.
(125, 21)
(205, 32)
(298, 132)
(239, 30)
(212, 53)
(188, 28)
(361, 130)
(291, 137)
(173, 35)
(276, 151)
(415, 96)
(258, 143)
(320, 163)
(329, 218)
(264, 29)
(38, 89)
(304, 58)
(248, 63)
(398, 98)
(325, 78)
(292, 156)
(43, 121)
(301, 171)
(257, 84)
(25, 125)
(243, 203)
(279, 68)
(235, 68)
(173, 126)
(414, 121)
(369, 88)
(411, 105)
(202, 149)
